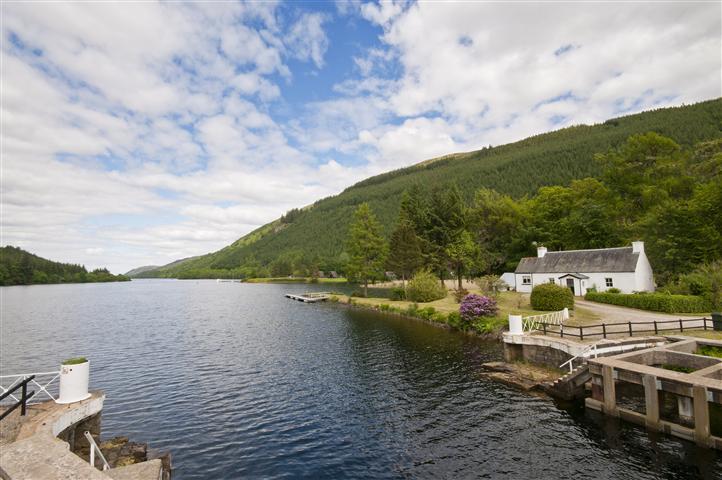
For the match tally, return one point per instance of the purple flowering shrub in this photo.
(475, 306)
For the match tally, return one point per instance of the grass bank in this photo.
(295, 280)
(439, 311)
(709, 334)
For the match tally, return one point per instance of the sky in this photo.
(138, 133)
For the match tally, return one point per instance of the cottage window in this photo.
(551, 280)
(526, 280)
(609, 282)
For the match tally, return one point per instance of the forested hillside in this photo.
(315, 236)
(18, 267)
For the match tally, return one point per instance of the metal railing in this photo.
(627, 329)
(534, 322)
(586, 353)
(24, 397)
(39, 380)
(94, 448)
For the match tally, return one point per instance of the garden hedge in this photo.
(551, 297)
(656, 302)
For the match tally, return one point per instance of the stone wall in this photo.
(538, 354)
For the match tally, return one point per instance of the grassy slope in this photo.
(517, 169)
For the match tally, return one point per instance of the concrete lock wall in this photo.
(542, 355)
(74, 434)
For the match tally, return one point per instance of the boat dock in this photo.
(309, 297)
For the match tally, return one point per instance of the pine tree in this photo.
(366, 247)
(405, 255)
(462, 253)
(447, 220)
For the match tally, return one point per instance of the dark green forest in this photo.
(579, 187)
(18, 267)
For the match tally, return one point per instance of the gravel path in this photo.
(641, 321)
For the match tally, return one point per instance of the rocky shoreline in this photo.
(521, 375)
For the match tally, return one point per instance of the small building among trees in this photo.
(626, 269)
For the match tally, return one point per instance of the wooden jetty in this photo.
(309, 297)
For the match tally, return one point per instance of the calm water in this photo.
(238, 382)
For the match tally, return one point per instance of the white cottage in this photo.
(625, 268)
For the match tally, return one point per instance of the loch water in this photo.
(239, 382)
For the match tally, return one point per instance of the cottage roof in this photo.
(621, 259)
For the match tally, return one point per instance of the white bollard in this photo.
(74, 378)
(565, 313)
(515, 325)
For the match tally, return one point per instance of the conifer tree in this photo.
(366, 247)
(447, 220)
(462, 253)
(405, 255)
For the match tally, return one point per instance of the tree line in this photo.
(18, 267)
(650, 188)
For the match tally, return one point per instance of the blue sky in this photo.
(139, 133)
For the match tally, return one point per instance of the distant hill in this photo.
(140, 270)
(18, 267)
(518, 169)
(153, 272)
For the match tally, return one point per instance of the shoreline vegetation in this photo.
(444, 311)
(19, 267)
(295, 280)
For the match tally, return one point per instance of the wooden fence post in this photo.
(24, 399)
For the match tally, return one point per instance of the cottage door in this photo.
(570, 284)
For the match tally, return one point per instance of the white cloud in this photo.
(144, 132)
(307, 38)
(479, 73)
(124, 127)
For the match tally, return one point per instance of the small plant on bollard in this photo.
(75, 361)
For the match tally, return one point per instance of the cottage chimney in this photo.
(637, 247)
(541, 251)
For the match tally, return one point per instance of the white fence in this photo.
(44, 384)
(532, 323)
